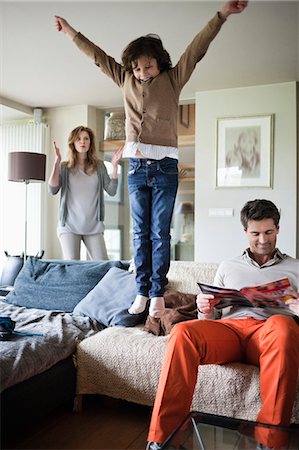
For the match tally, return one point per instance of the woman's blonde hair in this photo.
(91, 160)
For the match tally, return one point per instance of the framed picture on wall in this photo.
(244, 155)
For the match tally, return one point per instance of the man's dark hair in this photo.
(259, 210)
(149, 45)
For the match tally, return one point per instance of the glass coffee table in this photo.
(201, 431)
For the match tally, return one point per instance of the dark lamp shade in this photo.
(26, 166)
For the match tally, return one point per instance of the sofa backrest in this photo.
(184, 275)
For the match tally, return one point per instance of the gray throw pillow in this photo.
(109, 301)
(57, 284)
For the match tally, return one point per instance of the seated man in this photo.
(267, 337)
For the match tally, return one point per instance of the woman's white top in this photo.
(82, 205)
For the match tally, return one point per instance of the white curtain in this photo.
(26, 137)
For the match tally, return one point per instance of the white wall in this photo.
(220, 238)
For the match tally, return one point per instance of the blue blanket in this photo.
(52, 337)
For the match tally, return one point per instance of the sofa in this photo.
(39, 333)
(124, 363)
(77, 311)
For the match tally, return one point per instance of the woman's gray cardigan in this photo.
(104, 183)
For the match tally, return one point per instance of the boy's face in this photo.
(145, 68)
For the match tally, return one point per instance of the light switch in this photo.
(221, 212)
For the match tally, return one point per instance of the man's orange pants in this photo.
(273, 345)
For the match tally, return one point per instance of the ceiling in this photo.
(42, 68)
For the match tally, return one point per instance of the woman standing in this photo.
(82, 179)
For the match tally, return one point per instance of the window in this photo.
(114, 242)
(21, 137)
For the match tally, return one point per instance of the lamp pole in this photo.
(25, 239)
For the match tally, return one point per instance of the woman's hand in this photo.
(182, 174)
(233, 7)
(54, 177)
(115, 160)
(205, 303)
(57, 153)
(117, 156)
(64, 26)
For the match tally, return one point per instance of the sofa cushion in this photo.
(57, 284)
(109, 301)
(183, 275)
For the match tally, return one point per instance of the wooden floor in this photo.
(103, 424)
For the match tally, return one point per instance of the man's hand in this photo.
(293, 304)
(64, 26)
(205, 303)
(233, 7)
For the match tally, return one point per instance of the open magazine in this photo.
(272, 294)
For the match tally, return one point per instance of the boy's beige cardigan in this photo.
(151, 107)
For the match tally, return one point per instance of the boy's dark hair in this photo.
(149, 45)
(259, 210)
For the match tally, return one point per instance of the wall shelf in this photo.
(113, 145)
(187, 180)
(110, 146)
(186, 191)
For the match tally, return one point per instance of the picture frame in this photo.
(244, 153)
(118, 197)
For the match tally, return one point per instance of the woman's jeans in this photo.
(152, 190)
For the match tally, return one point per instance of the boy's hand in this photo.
(233, 7)
(62, 25)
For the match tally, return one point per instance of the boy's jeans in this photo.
(152, 189)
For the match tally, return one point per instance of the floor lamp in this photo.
(26, 167)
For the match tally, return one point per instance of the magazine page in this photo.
(273, 294)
